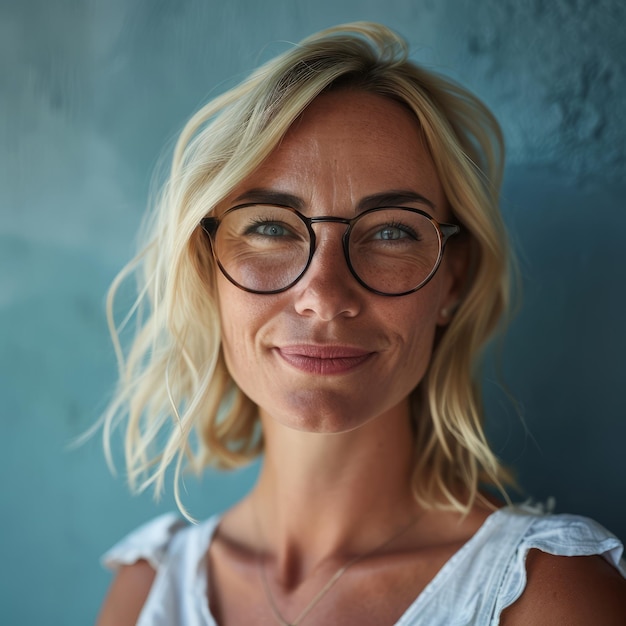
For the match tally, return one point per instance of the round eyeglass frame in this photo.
(444, 232)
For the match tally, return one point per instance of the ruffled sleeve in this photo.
(560, 535)
(177, 551)
(148, 542)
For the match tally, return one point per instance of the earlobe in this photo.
(445, 315)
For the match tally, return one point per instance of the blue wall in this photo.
(91, 91)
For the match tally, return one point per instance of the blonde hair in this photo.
(175, 394)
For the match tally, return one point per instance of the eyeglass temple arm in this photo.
(448, 230)
(209, 225)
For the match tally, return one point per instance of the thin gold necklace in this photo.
(326, 588)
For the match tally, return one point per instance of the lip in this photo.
(324, 360)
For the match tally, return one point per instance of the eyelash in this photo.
(404, 228)
(264, 221)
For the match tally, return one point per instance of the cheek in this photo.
(416, 325)
(242, 318)
(418, 341)
(231, 345)
(234, 325)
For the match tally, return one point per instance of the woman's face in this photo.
(327, 355)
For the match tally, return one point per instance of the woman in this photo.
(325, 264)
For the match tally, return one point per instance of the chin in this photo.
(323, 413)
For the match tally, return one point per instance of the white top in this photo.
(483, 578)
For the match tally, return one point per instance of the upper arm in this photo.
(127, 595)
(571, 591)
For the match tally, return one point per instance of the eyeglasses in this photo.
(265, 249)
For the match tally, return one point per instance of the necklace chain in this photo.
(333, 579)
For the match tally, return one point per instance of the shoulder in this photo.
(566, 569)
(139, 560)
(569, 590)
(127, 595)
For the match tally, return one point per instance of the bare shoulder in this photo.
(569, 590)
(127, 595)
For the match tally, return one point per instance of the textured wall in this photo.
(90, 92)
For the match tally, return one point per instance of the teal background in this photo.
(91, 92)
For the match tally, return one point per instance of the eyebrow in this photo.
(393, 197)
(269, 196)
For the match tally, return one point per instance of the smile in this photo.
(323, 360)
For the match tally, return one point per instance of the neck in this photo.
(333, 496)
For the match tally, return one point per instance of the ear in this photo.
(456, 265)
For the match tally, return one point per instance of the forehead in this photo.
(357, 113)
(347, 145)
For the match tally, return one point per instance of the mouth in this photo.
(324, 360)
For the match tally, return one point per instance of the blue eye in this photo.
(392, 232)
(268, 229)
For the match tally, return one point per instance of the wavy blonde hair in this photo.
(175, 395)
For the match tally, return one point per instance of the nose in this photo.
(328, 290)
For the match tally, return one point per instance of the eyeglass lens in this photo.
(266, 248)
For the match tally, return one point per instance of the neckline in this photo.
(207, 530)
(446, 569)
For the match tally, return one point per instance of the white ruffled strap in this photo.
(148, 542)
